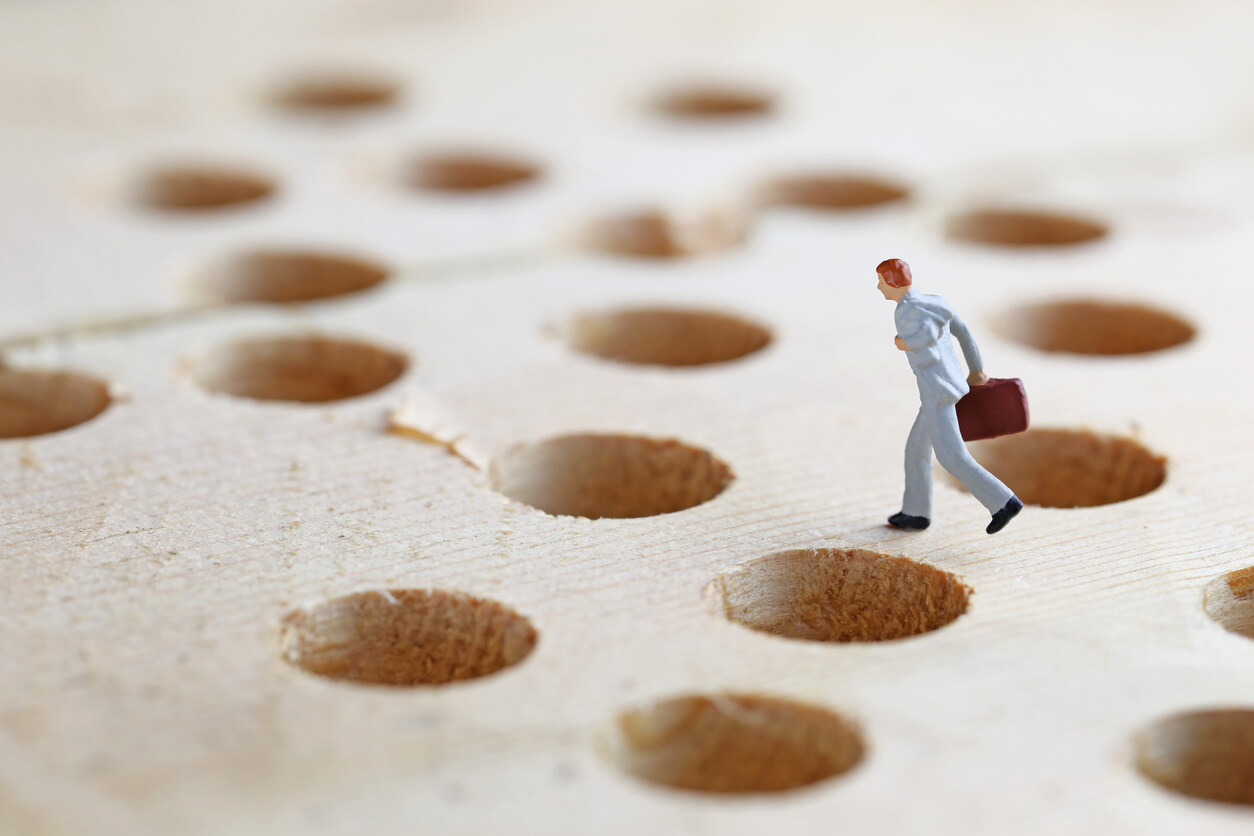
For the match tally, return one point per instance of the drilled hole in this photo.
(832, 192)
(1091, 327)
(667, 337)
(715, 101)
(1229, 601)
(609, 476)
(41, 402)
(470, 172)
(310, 369)
(281, 276)
(336, 92)
(1202, 754)
(1019, 228)
(652, 234)
(838, 595)
(733, 743)
(406, 637)
(1071, 468)
(193, 188)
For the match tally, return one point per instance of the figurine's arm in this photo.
(915, 331)
(970, 351)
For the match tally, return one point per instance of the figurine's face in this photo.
(893, 294)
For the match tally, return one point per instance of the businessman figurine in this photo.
(924, 324)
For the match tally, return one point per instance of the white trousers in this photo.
(936, 428)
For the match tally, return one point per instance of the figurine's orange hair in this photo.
(895, 272)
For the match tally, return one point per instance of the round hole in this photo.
(335, 92)
(40, 402)
(309, 369)
(733, 743)
(651, 234)
(838, 595)
(470, 172)
(715, 101)
(1229, 601)
(1019, 228)
(406, 637)
(662, 337)
(282, 276)
(1091, 327)
(1202, 754)
(618, 476)
(1071, 468)
(832, 192)
(194, 188)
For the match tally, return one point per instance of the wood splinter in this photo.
(421, 420)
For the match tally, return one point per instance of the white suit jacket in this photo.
(925, 323)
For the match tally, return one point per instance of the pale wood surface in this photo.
(149, 556)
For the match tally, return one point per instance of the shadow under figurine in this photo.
(924, 324)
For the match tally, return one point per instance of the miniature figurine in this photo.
(924, 324)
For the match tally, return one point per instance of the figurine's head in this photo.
(894, 278)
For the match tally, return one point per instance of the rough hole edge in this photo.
(567, 332)
(146, 183)
(1142, 762)
(289, 623)
(200, 285)
(779, 192)
(430, 171)
(1002, 324)
(186, 368)
(713, 100)
(492, 471)
(608, 746)
(110, 391)
(714, 595)
(959, 227)
(317, 92)
(1162, 459)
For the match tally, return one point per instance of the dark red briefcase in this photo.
(999, 407)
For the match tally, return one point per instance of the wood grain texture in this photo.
(241, 503)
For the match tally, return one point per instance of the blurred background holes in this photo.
(406, 637)
(469, 171)
(838, 595)
(307, 369)
(666, 336)
(1202, 754)
(831, 192)
(714, 101)
(619, 476)
(733, 744)
(1071, 468)
(652, 234)
(282, 276)
(1229, 601)
(194, 188)
(1021, 228)
(40, 402)
(336, 92)
(1091, 327)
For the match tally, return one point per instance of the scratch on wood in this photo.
(126, 533)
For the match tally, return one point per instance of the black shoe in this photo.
(1007, 513)
(903, 520)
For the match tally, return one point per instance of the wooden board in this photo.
(242, 518)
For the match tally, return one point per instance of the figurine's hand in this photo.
(900, 343)
(977, 379)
